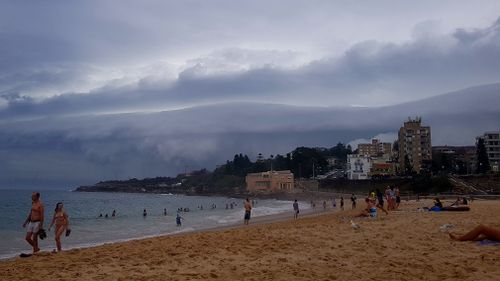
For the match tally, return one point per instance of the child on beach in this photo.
(61, 220)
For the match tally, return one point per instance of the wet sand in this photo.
(405, 245)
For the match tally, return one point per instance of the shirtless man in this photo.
(34, 221)
(248, 210)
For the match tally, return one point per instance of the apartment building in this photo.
(414, 141)
(492, 145)
(376, 148)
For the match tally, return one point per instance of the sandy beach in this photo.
(405, 245)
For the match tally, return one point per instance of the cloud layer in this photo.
(85, 149)
(95, 90)
(99, 63)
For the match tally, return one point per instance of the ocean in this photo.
(88, 229)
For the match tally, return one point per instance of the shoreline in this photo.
(258, 220)
(404, 245)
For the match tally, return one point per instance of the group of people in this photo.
(113, 214)
(35, 220)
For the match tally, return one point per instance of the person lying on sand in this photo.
(480, 232)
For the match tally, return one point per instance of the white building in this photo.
(492, 144)
(358, 167)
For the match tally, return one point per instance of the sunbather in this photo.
(480, 232)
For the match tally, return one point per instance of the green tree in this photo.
(408, 168)
(483, 163)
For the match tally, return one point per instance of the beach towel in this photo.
(487, 242)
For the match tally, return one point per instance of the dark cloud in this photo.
(67, 68)
(370, 73)
(85, 149)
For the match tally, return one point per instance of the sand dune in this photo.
(405, 245)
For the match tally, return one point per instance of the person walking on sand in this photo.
(353, 200)
(61, 220)
(341, 203)
(324, 205)
(397, 195)
(296, 209)
(248, 210)
(34, 221)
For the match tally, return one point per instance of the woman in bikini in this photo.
(62, 224)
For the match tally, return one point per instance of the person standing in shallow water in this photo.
(178, 220)
(34, 221)
(248, 211)
(296, 209)
(61, 220)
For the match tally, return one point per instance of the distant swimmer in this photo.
(178, 220)
(61, 221)
(34, 221)
(144, 213)
(165, 212)
(113, 214)
(106, 216)
(100, 215)
(341, 203)
(248, 210)
(296, 209)
(324, 205)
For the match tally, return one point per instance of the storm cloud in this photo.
(116, 89)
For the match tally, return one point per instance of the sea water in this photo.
(88, 229)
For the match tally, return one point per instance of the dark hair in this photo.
(57, 206)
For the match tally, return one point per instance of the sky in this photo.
(103, 61)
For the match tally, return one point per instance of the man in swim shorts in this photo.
(248, 210)
(34, 221)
